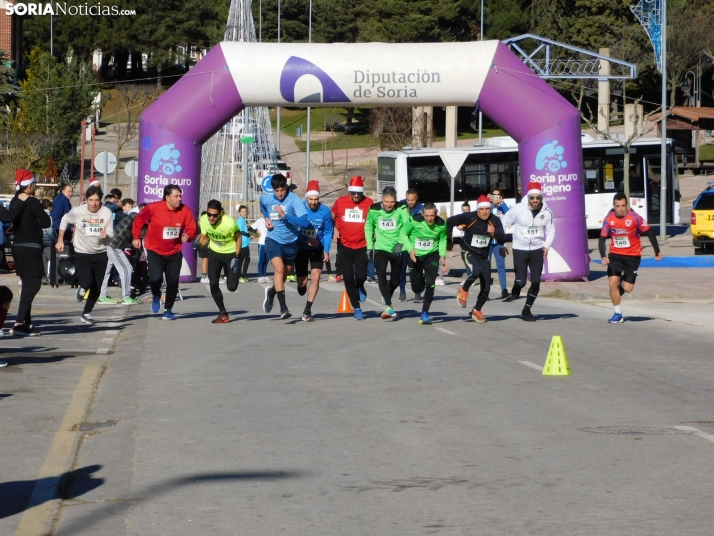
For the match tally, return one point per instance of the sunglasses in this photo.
(216, 215)
(535, 197)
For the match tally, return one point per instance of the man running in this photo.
(479, 228)
(625, 227)
(350, 215)
(284, 215)
(424, 238)
(382, 229)
(170, 225)
(412, 207)
(533, 234)
(313, 247)
(221, 234)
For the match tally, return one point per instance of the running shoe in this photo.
(331, 279)
(511, 297)
(358, 314)
(81, 294)
(221, 319)
(23, 330)
(362, 294)
(418, 298)
(616, 319)
(242, 279)
(389, 314)
(478, 316)
(462, 297)
(292, 278)
(440, 281)
(204, 279)
(425, 319)
(371, 280)
(155, 304)
(268, 301)
(3, 364)
(505, 294)
(338, 278)
(262, 280)
(402, 296)
(527, 315)
(307, 317)
(168, 315)
(88, 319)
(128, 300)
(106, 300)
(285, 313)
(302, 290)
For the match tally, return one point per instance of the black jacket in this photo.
(28, 222)
(474, 226)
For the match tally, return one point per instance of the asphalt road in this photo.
(264, 426)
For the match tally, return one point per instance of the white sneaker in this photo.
(440, 281)
(204, 279)
(261, 280)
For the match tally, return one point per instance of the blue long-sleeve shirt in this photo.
(286, 229)
(243, 228)
(321, 228)
(60, 207)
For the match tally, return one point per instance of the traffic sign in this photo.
(105, 162)
(246, 138)
(132, 169)
(266, 186)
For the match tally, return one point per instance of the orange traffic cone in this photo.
(345, 305)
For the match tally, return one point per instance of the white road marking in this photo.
(445, 331)
(103, 350)
(112, 332)
(532, 365)
(696, 432)
(113, 324)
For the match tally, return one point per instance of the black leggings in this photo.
(160, 265)
(217, 262)
(353, 264)
(30, 288)
(524, 261)
(480, 269)
(387, 288)
(90, 269)
(423, 278)
(244, 261)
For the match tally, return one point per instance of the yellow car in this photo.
(702, 221)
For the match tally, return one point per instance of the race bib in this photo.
(423, 244)
(353, 216)
(172, 233)
(274, 215)
(219, 243)
(534, 231)
(621, 241)
(309, 232)
(93, 229)
(388, 224)
(480, 241)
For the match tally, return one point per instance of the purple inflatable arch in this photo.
(234, 75)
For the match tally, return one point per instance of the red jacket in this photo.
(166, 227)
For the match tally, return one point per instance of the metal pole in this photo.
(277, 110)
(246, 166)
(480, 115)
(260, 22)
(52, 35)
(307, 149)
(106, 166)
(82, 151)
(663, 153)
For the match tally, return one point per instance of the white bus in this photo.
(495, 165)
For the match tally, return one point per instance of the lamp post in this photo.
(277, 110)
(663, 148)
(307, 149)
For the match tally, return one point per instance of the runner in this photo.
(530, 219)
(424, 238)
(625, 227)
(242, 221)
(222, 236)
(412, 207)
(284, 214)
(171, 224)
(382, 229)
(116, 257)
(314, 247)
(480, 229)
(93, 231)
(350, 215)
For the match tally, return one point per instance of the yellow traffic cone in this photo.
(345, 305)
(557, 362)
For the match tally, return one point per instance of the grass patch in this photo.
(706, 153)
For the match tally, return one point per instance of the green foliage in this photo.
(7, 88)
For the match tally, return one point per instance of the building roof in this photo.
(691, 114)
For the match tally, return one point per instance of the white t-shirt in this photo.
(259, 225)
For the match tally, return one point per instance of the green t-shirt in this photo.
(382, 228)
(222, 236)
(423, 238)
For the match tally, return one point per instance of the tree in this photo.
(392, 126)
(8, 90)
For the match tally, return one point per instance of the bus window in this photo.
(593, 177)
(613, 172)
(431, 180)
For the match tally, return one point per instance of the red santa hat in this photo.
(23, 177)
(95, 182)
(534, 188)
(482, 202)
(313, 188)
(356, 185)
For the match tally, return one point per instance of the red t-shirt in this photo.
(350, 218)
(625, 233)
(166, 227)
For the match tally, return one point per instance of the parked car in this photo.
(272, 168)
(702, 221)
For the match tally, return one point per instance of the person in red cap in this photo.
(350, 214)
(313, 247)
(480, 228)
(533, 234)
(29, 218)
